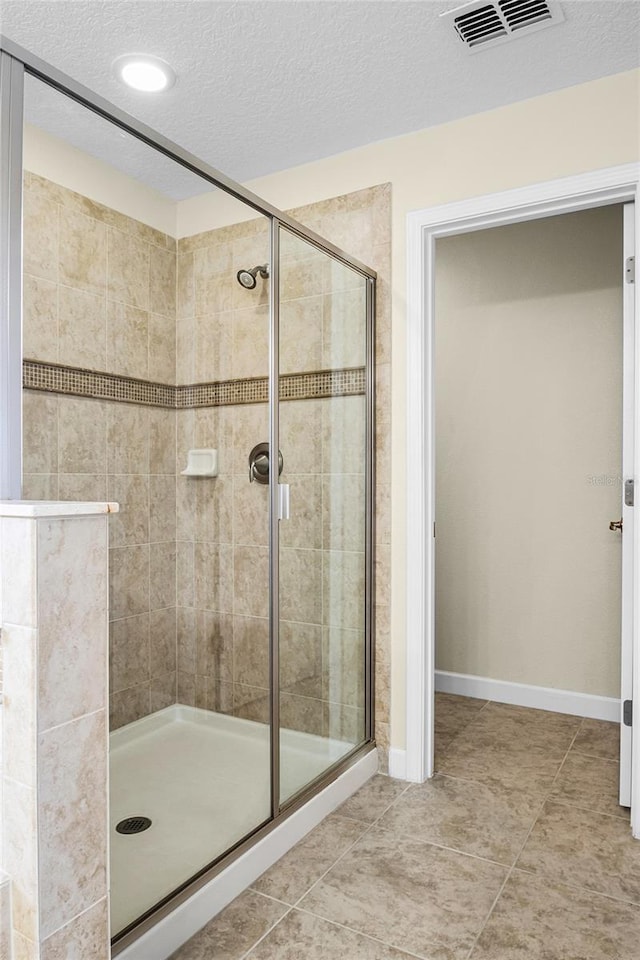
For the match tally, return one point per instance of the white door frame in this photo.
(598, 188)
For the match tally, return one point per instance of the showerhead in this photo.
(249, 278)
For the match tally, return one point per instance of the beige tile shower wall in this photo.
(100, 294)
(223, 329)
(99, 287)
(213, 547)
(222, 523)
(222, 534)
(83, 449)
(360, 223)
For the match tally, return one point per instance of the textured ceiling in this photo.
(263, 86)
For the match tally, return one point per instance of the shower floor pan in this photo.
(202, 778)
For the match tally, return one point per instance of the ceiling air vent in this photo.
(481, 24)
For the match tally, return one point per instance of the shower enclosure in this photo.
(175, 332)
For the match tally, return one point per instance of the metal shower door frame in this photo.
(274, 527)
(15, 62)
(11, 130)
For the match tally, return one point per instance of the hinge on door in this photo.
(629, 493)
(630, 270)
(627, 713)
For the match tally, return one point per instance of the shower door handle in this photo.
(283, 501)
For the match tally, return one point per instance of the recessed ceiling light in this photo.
(143, 72)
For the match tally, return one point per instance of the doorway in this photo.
(426, 228)
(528, 464)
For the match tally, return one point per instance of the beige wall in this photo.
(571, 131)
(56, 160)
(528, 423)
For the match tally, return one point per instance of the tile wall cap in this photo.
(34, 509)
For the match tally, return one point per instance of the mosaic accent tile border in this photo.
(222, 393)
(324, 383)
(293, 386)
(56, 378)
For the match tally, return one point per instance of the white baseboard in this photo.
(526, 695)
(398, 764)
(181, 924)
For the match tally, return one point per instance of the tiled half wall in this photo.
(136, 311)
(54, 785)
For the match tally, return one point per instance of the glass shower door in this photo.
(159, 371)
(142, 354)
(322, 556)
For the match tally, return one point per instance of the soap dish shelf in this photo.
(201, 463)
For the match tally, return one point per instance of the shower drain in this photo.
(133, 825)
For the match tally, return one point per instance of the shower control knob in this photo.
(259, 463)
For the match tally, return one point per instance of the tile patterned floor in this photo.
(516, 850)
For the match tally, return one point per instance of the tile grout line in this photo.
(461, 730)
(367, 936)
(400, 835)
(253, 946)
(77, 916)
(293, 906)
(505, 881)
(564, 760)
(577, 806)
(365, 832)
(594, 756)
(523, 845)
(589, 891)
(268, 896)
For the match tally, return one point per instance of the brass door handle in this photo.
(616, 525)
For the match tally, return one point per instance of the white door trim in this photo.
(597, 188)
(629, 415)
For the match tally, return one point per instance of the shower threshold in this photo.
(202, 778)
